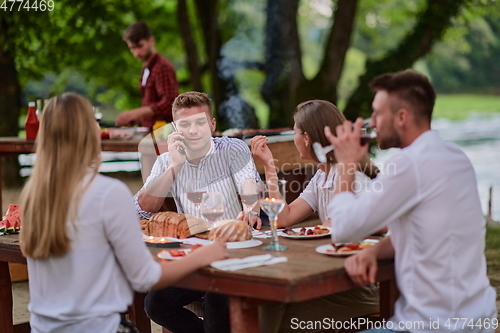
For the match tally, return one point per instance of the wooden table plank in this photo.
(6, 323)
(242, 314)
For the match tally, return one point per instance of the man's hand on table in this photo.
(362, 267)
(251, 219)
(127, 118)
(132, 117)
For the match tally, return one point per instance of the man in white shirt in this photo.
(216, 165)
(436, 225)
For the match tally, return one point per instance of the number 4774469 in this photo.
(26, 5)
(471, 323)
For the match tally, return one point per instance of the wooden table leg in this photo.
(388, 295)
(6, 323)
(137, 314)
(1, 183)
(244, 315)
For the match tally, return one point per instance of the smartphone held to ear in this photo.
(179, 149)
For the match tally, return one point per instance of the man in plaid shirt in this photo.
(158, 82)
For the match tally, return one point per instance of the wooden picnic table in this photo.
(306, 275)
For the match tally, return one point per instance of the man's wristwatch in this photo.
(254, 213)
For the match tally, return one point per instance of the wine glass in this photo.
(272, 201)
(212, 206)
(249, 194)
(367, 134)
(195, 193)
(97, 113)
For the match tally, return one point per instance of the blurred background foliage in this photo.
(78, 47)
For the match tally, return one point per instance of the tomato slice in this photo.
(353, 246)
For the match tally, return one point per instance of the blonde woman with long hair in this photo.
(81, 233)
(310, 119)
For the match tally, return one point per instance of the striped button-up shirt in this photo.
(223, 169)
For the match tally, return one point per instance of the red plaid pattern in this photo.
(160, 90)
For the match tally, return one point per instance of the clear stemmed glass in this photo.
(272, 201)
(367, 134)
(249, 194)
(97, 113)
(195, 193)
(212, 207)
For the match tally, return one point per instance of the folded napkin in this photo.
(266, 233)
(252, 261)
(194, 240)
(261, 234)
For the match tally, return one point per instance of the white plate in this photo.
(282, 234)
(166, 254)
(324, 249)
(328, 249)
(244, 244)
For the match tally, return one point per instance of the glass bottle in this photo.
(38, 107)
(32, 123)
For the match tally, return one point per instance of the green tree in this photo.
(286, 84)
(431, 23)
(416, 26)
(75, 35)
(467, 58)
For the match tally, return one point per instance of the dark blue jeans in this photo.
(166, 308)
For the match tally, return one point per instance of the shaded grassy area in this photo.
(493, 255)
(460, 106)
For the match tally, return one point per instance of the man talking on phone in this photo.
(220, 164)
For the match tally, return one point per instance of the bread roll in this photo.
(144, 226)
(233, 231)
(171, 224)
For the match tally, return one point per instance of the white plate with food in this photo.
(243, 244)
(318, 231)
(174, 254)
(345, 249)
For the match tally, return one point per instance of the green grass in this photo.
(461, 106)
(493, 238)
(493, 255)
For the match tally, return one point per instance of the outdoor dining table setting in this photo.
(309, 268)
(250, 276)
(311, 241)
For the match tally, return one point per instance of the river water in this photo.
(479, 137)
